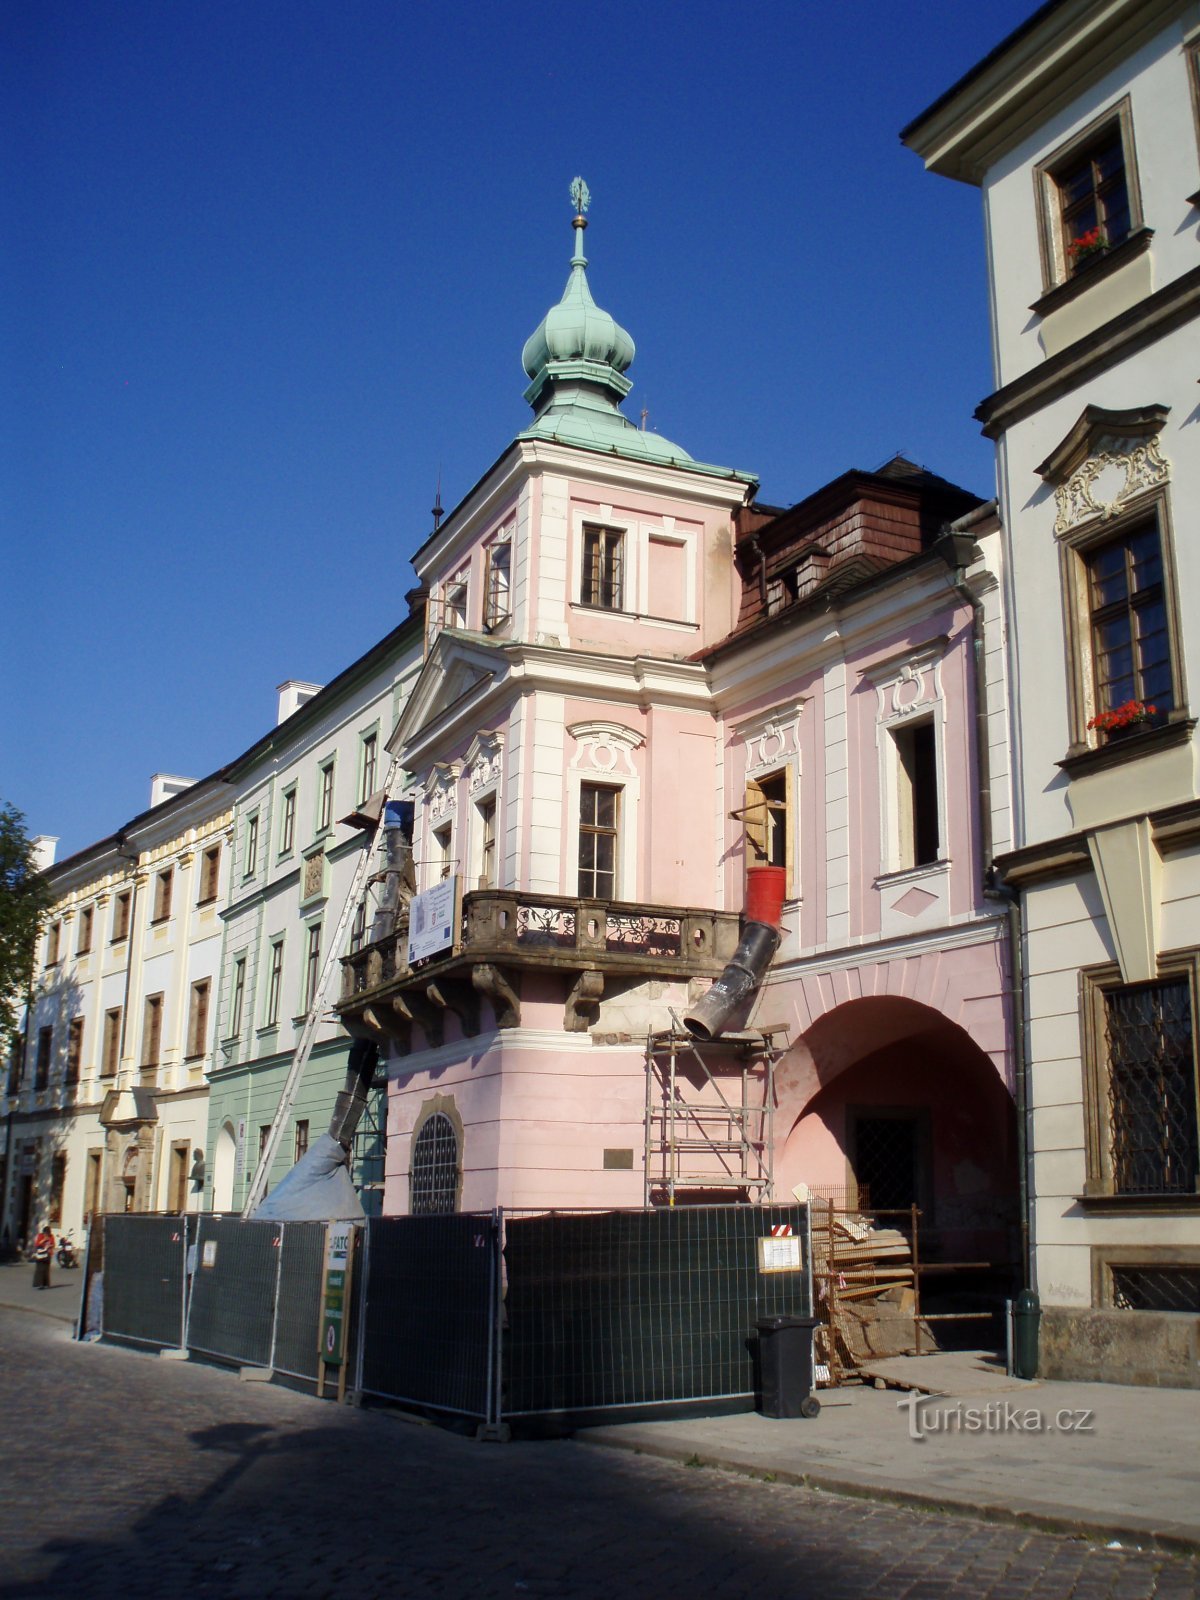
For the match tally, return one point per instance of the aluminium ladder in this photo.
(316, 1009)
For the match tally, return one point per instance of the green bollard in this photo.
(1027, 1316)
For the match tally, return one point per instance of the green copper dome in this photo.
(576, 360)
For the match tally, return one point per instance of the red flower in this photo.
(1122, 716)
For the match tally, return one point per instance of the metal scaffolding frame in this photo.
(737, 1132)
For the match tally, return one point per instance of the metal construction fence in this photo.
(488, 1316)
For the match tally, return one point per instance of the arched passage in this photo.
(888, 1094)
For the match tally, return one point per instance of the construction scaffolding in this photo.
(709, 1115)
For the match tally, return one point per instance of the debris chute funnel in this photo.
(709, 1017)
(317, 1189)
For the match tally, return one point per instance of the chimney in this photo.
(292, 695)
(43, 847)
(164, 786)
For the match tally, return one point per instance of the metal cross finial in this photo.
(581, 197)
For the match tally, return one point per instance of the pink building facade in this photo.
(639, 683)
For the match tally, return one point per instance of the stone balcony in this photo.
(506, 937)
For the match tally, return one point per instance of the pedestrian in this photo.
(43, 1249)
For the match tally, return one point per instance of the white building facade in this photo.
(1083, 133)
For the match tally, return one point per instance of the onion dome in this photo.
(576, 361)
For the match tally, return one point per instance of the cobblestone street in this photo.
(124, 1474)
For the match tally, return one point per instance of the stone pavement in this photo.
(60, 1300)
(1097, 1460)
(126, 1475)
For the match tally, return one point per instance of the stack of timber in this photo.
(866, 1293)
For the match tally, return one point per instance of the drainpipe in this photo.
(953, 547)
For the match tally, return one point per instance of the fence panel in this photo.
(144, 1264)
(641, 1308)
(428, 1311)
(233, 1290)
(298, 1312)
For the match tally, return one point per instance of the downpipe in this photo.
(709, 1017)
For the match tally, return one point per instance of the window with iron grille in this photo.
(433, 1188)
(1151, 1088)
(602, 576)
(599, 811)
(1155, 1288)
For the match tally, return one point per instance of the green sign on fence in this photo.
(338, 1239)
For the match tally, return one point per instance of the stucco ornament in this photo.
(1104, 484)
(441, 790)
(774, 739)
(906, 687)
(604, 747)
(483, 760)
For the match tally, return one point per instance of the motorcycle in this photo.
(66, 1256)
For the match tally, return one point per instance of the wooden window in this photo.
(264, 1133)
(210, 875)
(358, 929)
(74, 1049)
(237, 999)
(455, 605)
(87, 919)
(110, 1060)
(91, 1184)
(486, 811)
(767, 820)
(918, 832)
(58, 1183)
(301, 1140)
(53, 944)
(325, 797)
(498, 603)
(250, 854)
(274, 983)
(602, 564)
(287, 823)
(45, 1048)
(1130, 638)
(599, 814)
(443, 846)
(152, 1030)
(121, 913)
(1143, 1087)
(197, 1035)
(370, 762)
(16, 1063)
(177, 1183)
(163, 886)
(1090, 200)
(312, 964)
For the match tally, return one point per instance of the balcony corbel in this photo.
(430, 1018)
(493, 982)
(460, 998)
(583, 1002)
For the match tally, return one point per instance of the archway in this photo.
(886, 1094)
(224, 1161)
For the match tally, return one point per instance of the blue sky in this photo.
(270, 265)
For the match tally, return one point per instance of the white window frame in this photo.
(909, 691)
(604, 754)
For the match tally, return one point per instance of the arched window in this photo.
(434, 1181)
